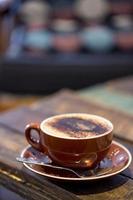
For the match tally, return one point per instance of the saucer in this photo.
(117, 160)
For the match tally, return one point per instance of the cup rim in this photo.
(42, 127)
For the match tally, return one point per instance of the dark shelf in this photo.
(72, 59)
(56, 71)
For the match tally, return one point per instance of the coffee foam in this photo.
(75, 125)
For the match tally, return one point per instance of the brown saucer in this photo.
(117, 160)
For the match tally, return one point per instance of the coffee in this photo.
(74, 140)
(75, 126)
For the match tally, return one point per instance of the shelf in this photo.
(52, 72)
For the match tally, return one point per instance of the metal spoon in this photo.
(79, 173)
(39, 162)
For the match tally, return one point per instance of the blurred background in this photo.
(47, 45)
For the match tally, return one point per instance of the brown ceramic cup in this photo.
(74, 140)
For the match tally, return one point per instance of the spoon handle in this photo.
(38, 162)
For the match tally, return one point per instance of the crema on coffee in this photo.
(75, 126)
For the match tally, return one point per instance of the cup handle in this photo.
(31, 140)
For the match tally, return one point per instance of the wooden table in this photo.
(113, 100)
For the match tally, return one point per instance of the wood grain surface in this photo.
(115, 98)
(68, 101)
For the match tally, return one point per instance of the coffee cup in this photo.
(75, 140)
